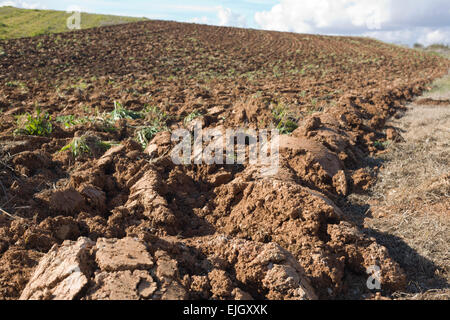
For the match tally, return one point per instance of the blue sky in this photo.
(397, 21)
(186, 11)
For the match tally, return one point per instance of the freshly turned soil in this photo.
(203, 231)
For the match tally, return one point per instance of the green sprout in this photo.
(70, 120)
(380, 145)
(83, 145)
(156, 122)
(145, 135)
(77, 146)
(284, 121)
(192, 116)
(120, 112)
(38, 125)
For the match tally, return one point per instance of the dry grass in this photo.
(419, 168)
(409, 209)
(440, 89)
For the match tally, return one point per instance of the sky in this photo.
(397, 21)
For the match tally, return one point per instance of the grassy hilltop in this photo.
(18, 23)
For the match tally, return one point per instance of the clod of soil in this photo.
(213, 267)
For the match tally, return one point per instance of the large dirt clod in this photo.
(60, 274)
(124, 269)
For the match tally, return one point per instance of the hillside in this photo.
(87, 180)
(18, 23)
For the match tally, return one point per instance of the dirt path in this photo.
(408, 210)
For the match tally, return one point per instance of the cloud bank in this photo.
(229, 18)
(225, 17)
(22, 4)
(401, 21)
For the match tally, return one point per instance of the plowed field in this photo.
(108, 99)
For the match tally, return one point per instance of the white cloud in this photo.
(423, 35)
(200, 20)
(403, 21)
(435, 36)
(23, 4)
(225, 17)
(230, 18)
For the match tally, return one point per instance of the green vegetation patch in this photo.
(155, 115)
(70, 120)
(34, 125)
(18, 23)
(192, 116)
(156, 121)
(145, 134)
(77, 147)
(86, 145)
(284, 120)
(120, 112)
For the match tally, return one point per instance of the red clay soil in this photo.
(137, 226)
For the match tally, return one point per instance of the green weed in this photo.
(145, 134)
(192, 116)
(15, 84)
(34, 125)
(380, 145)
(285, 122)
(120, 112)
(70, 120)
(83, 145)
(77, 147)
(156, 122)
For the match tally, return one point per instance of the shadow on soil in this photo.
(422, 274)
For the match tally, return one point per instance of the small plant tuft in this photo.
(77, 146)
(145, 134)
(70, 120)
(192, 116)
(156, 122)
(34, 125)
(285, 122)
(120, 112)
(380, 145)
(85, 145)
